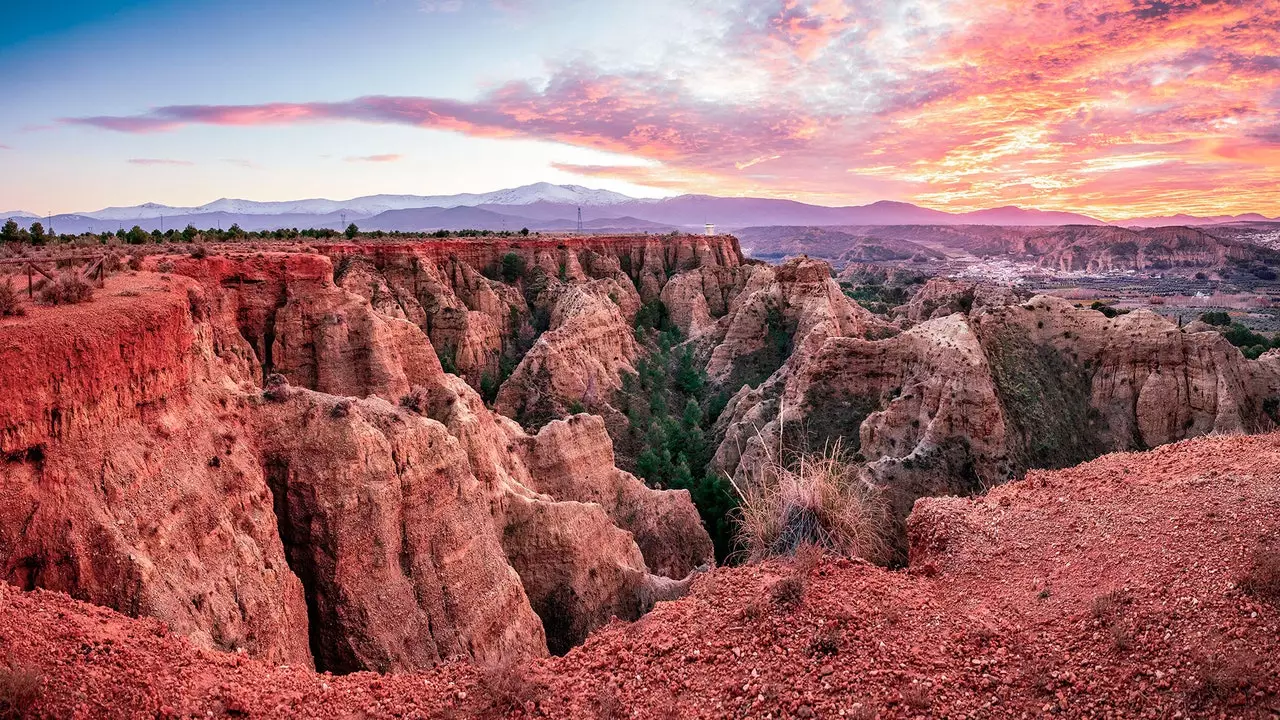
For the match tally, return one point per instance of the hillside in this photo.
(1135, 585)
(1068, 247)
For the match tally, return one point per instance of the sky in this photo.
(1114, 108)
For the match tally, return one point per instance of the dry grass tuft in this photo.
(607, 704)
(816, 499)
(789, 591)
(826, 641)
(68, 288)
(10, 300)
(509, 687)
(277, 388)
(1224, 674)
(916, 697)
(19, 690)
(1262, 580)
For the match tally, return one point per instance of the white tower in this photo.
(711, 228)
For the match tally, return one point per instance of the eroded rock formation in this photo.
(363, 510)
(968, 400)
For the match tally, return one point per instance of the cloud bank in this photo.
(1110, 107)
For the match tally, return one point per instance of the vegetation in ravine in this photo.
(670, 409)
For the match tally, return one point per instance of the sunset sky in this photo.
(1115, 108)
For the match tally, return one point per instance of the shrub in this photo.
(199, 252)
(789, 591)
(510, 687)
(1216, 317)
(19, 690)
(165, 266)
(276, 389)
(1227, 672)
(10, 300)
(135, 262)
(818, 499)
(1262, 580)
(512, 267)
(826, 641)
(341, 409)
(67, 288)
(417, 400)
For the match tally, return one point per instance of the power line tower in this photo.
(579, 220)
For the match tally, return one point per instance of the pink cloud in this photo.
(159, 161)
(1060, 105)
(384, 158)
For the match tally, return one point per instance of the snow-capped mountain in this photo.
(546, 192)
(370, 205)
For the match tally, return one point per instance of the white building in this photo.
(711, 228)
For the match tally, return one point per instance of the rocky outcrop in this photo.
(364, 511)
(129, 476)
(484, 303)
(573, 460)
(778, 313)
(580, 360)
(391, 535)
(963, 402)
(941, 297)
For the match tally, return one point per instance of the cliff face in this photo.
(484, 304)
(965, 401)
(129, 476)
(363, 511)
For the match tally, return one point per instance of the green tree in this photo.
(524, 232)
(512, 267)
(1216, 317)
(135, 236)
(352, 231)
(10, 231)
(189, 233)
(37, 233)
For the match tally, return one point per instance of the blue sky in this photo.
(1114, 108)
(104, 58)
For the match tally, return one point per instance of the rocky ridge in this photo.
(1121, 588)
(267, 462)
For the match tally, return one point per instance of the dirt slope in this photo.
(1107, 590)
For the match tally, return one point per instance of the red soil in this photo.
(1108, 590)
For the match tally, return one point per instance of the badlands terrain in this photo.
(460, 477)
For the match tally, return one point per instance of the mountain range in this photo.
(548, 207)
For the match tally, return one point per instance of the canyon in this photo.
(425, 456)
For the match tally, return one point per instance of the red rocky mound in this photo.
(1137, 585)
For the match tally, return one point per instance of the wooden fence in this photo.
(95, 269)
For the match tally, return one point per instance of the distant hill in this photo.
(1067, 247)
(1191, 220)
(540, 205)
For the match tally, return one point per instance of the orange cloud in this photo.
(1115, 108)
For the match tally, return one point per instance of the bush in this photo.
(817, 499)
(1262, 580)
(512, 267)
(1240, 336)
(510, 687)
(199, 252)
(789, 591)
(277, 388)
(10, 300)
(68, 288)
(417, 400)
(341, 409)
(1216, 317)
(19, 690)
